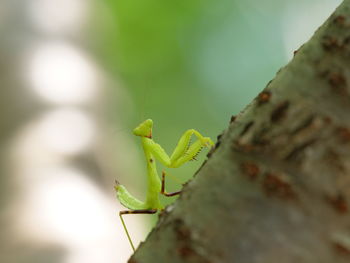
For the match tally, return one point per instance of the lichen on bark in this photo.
(277, 186)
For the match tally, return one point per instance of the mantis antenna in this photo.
(183, 152)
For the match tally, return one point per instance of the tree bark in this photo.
(276, 188)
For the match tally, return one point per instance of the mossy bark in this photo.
(277, 186)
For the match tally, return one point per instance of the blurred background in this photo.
(78, 75)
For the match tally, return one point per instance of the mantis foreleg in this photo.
(183, 151)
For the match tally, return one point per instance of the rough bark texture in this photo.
(277, 186)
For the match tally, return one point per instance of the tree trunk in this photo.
(276, 188)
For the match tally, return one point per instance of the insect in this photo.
(183, 152)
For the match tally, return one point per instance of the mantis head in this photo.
(144, 129)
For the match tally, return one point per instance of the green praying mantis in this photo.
(183, 152)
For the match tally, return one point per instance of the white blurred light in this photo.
(61, 206)
(66, 207)
(69, 205)
(58, 16)
(67, 131)
(60, 73)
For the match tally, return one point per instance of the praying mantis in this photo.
(183, 152)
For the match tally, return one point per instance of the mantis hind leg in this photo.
(163, 192)
(128, 212)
